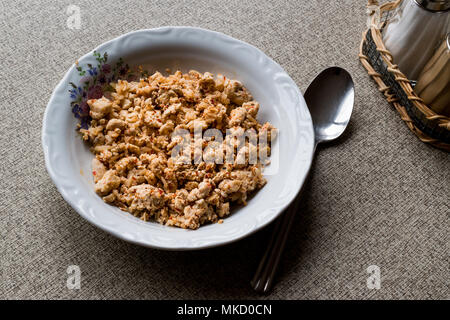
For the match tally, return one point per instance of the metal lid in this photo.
(434, 5)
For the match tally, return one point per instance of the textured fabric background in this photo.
(379, 196)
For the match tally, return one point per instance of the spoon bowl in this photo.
(330, 100)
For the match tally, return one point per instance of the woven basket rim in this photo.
(375, 29)
(393, 68)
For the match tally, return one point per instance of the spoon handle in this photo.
(263, 280)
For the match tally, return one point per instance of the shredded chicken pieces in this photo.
(131, 136)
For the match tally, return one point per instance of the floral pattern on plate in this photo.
(95, 82)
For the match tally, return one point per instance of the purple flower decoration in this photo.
(84, 124)
(106, 68)
(93, 71)
(85, 79)
(123, 71)
(95, 92)
(93, 80)
(102, 79)
(76, 111)
(84, 108)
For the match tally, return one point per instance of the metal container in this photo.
(433, 84)
(414, 32)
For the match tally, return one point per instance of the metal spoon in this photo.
(330, 101)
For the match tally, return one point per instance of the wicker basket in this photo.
(429, 127)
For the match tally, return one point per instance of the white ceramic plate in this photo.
(68, 158)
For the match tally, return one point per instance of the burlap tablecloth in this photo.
(378, 197)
